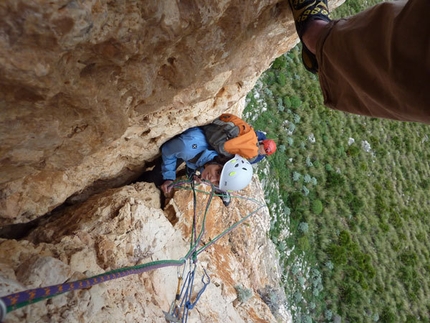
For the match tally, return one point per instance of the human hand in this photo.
(197, 179)
(166, 187)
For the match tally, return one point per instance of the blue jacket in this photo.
(260, 136)
(185, 146)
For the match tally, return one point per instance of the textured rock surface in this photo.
(124, 227)
(89, 90)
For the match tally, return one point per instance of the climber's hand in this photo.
(167, 187)
(197, 179)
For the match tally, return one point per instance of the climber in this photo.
(266, 147)
(192, 148)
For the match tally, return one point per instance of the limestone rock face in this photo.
(125, 227)
(90, 90)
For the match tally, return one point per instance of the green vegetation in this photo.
(243, 294)
(352, 214)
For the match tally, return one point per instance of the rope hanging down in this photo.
(18, 300)
(174, 315)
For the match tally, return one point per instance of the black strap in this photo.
(196, 157)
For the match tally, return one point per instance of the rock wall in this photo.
(125, 227)
(89, 90)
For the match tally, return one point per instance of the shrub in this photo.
(353, 151)
(281, 79)
(295, 102)
(328, 314)
(354, 274)
(287, 102)
(356, 205)
(297, 297)
(291, 127)
(329, 265)
(303, 227)
(396, 220)
(295, 269)
(396, 141)
(282, 246)
(243, 294)
(374, 142)
(306, 319)
(350, 295)
(305, 190)
(408, 258)
(337, 254)
(370, 271)
(296, 176)
(410, 319)
(348, 197)
(282, 148)
(335, 180)
(301, 281)
(384, 227)
(273, 298)
(317, 206)
(303, 243)
(388, 316)
(425, 184)
(325, 139)
(296, 202)
(279, 63)
(328, 168)
(344, 238)
(363, 167)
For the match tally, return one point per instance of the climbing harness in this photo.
(183, 302)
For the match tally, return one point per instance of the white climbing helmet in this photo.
(236, 174)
